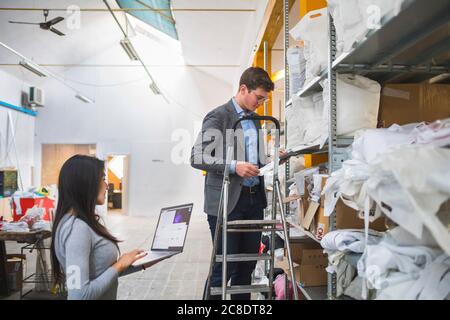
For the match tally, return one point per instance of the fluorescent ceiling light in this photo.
(33, 68)
(42, 72)
(155, 88)
(83, 98)
(129, 49)
(131, 52)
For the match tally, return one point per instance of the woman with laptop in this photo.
(84, 253)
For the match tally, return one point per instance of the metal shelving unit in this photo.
(314, 293)
(305, 232)
(405, 46)
(413, 46)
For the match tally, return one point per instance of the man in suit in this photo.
(247, 198)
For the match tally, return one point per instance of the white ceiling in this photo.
(220, 42)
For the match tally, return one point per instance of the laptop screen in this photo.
(172, 227)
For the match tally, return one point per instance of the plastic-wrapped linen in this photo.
(348, 23)
(377, 141)
(358, 103)
(422, 173)
(347, 184)
(312, 29)
(306, 122)
(407, 182)
(297, 65)
(353, 19)
(436, 133)
(401, 269)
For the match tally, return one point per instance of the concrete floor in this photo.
(180, 277)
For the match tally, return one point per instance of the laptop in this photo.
(170, 235)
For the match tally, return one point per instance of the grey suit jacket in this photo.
(209, 154)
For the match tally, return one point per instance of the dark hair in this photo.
(255, 77)
(78, 187)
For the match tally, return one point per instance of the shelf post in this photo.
(332, 131)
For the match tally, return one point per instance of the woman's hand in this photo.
(127, 259)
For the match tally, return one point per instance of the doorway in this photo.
(117, 168)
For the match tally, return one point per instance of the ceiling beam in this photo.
(71, 65)
(161, 13)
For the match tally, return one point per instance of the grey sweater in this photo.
(86, 259)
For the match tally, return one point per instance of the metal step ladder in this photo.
(271, 226)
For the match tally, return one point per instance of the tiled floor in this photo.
(180, 277)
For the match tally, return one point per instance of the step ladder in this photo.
(273, 225)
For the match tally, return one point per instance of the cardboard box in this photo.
(14, 271)
(346, 218)
(315, 221)
(310, 272)
(297, 249)
(409, 103)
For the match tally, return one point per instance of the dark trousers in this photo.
(249, 207)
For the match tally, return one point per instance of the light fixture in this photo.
(155, 88)
(83, 98)
(33, 68)
(42, 72)
(129, 49)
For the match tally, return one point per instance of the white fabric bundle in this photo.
(343, 270)
(425, 191)
(348, 240)
(297, 65)
(400, 269)
(353, 19)
(306, 121)
(358, 103)
(311, 29)
(337, 245)
(15, 227)
(395, 179)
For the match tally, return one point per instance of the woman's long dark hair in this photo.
(78, 188)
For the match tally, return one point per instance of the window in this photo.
(161, 20)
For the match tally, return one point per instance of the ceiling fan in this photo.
(46, 25)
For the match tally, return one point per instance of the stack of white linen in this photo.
(395, 265)
(404, 172)
(344, 249)
(402, 267)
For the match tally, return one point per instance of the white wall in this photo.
(129, 119)
(126, 117)
(24, 125)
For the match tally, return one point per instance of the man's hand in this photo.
(246, 170)
(283, 154)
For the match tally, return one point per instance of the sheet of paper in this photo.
(267, 168)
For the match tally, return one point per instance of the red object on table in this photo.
(28, 203)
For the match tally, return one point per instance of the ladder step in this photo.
(216, 291)
(246, 223)
(244, 257)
